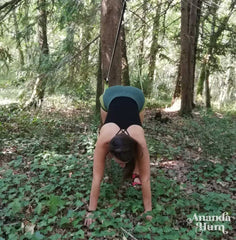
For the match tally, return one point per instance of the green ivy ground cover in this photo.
(46, 173)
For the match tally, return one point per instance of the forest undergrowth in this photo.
(46, 173)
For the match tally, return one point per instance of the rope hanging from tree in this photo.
(116, 40)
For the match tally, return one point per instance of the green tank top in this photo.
(122, 91)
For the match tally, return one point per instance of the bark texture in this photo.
(110, 16)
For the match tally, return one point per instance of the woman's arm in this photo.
(143, 163)
(100, 153)
(144, 170)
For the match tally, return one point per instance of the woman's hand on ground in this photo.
(147, 215)
(88, 219)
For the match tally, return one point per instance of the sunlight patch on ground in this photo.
(169, 164)
(7, 101)
(67, 105)
(8, 96)
(175, 107)
(59, 101)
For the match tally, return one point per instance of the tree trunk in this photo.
(194, 24)
(188, 37)
(144, 31)
(70, 35)
(125, 65)
(186, 99)
(213, 41)
(84, 66)
(193, 18)
(216, 32)
(177, 92)
(110, 16)
(37, 96)
(199, 8)
(154, 48)
(202, 78)
(99, 82)
(208, 96)
(27, 38)
(18, 42)
(231, 79)
(207, 92)
(228, 87)
(42, 29)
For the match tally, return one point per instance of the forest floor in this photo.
(46, 173)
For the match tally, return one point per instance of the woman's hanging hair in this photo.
(125, 148)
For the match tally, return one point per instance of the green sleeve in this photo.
(102, 103)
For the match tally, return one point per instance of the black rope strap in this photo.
(116, 40)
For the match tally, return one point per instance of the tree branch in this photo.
(8, 7)
(10, 3)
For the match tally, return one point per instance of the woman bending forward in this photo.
(123, 137)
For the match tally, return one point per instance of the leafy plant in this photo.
(46, 175)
